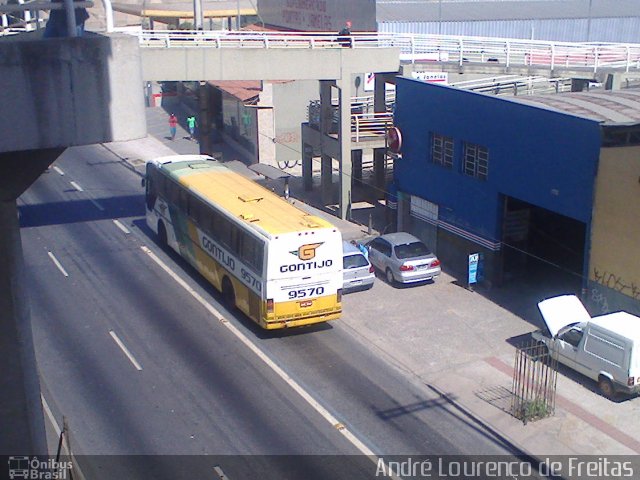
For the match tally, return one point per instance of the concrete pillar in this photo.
(307, 166)
(379, 94)
(613, 81)
(21, 414)
(344, 137)
(379, 106)
(578, 84)
(326, 121)
(204, 119)
(356, 166)
(326, 180)
(379, 172)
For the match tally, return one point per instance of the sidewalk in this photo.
(473, 359)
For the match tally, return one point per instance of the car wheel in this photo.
(390, 279)
(606, 387)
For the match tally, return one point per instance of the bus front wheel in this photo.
(228, 295)
(162, 235)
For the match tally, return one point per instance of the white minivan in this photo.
(605, 348)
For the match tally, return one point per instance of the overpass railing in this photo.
(416, 48)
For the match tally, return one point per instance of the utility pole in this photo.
(198, 19)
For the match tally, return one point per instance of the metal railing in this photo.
(419, 48)
(368, 126)
(535, 377)
(515, 85)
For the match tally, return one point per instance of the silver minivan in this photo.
(357, 273)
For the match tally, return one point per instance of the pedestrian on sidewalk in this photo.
(173, 126)
(191, 123)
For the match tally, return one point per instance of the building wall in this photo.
(614, 263)
(542, 157)
(291, 102)
(319, 15)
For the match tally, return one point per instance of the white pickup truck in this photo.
(604, 348)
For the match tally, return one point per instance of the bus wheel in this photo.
(162, 235)
(228, 295)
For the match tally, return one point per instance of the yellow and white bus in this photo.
(279, 265)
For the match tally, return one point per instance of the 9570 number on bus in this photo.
(305, 292)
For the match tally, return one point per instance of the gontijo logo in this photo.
(306, 252)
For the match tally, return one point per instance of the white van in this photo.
(604, 348)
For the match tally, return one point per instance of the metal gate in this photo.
(535, 376)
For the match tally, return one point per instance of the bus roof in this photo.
(241, 197)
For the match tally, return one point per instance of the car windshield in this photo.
(411, 250)
(354, 261)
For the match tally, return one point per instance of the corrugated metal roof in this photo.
(625, 30)
(470, 10)
(243, 90)
(617, 107)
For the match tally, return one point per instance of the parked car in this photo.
(403, 258)
(357, 273)
(604, 348)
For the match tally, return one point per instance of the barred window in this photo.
(442, 150)
(476, 161)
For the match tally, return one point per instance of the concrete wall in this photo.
(291, 101)
(319, 15)
(72, 91)
(614, 261)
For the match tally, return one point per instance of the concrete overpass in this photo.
(55, 93)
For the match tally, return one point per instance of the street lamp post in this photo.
(589, 21)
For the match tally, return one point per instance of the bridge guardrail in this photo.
(418, 48)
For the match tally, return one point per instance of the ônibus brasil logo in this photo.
(306, 252)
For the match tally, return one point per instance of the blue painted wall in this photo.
(532, 152)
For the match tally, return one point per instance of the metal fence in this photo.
(535, 376)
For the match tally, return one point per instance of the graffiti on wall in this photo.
(307, 14)
(599, 300)
(617, 283)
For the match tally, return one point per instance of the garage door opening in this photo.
(539, 243)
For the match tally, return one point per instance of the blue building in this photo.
(513, 179)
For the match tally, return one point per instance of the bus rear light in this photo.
(270, 305)
(339, 295)
(406, 268)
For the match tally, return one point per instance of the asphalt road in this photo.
(186, 385)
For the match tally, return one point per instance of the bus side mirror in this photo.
(143, 182)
